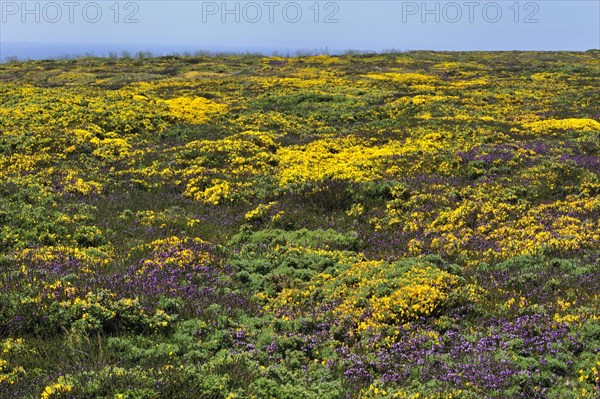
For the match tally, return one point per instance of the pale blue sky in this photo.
(162, 26)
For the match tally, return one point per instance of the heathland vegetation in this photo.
(402, 225)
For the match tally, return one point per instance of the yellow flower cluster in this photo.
(195, 110)
(591, 377)
(571, 312)
(553, 125)
(491, 212)
(179, 255)
(90, 258)
(373, 391)
(375, 295)
(90, 312)
(404, 78)
(343, 159)
(10, 373)
(260, 212)
(66, 108)
(163, 244)
(421, 295)
(75, 184)
(354, 159)
(57, 389)
(237, 158)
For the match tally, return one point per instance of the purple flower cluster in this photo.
(200, 279)
(463, 357)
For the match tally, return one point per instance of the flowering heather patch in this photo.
(402, 225)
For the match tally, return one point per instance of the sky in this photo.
(43, 29)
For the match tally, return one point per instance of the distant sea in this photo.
(41, 51)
